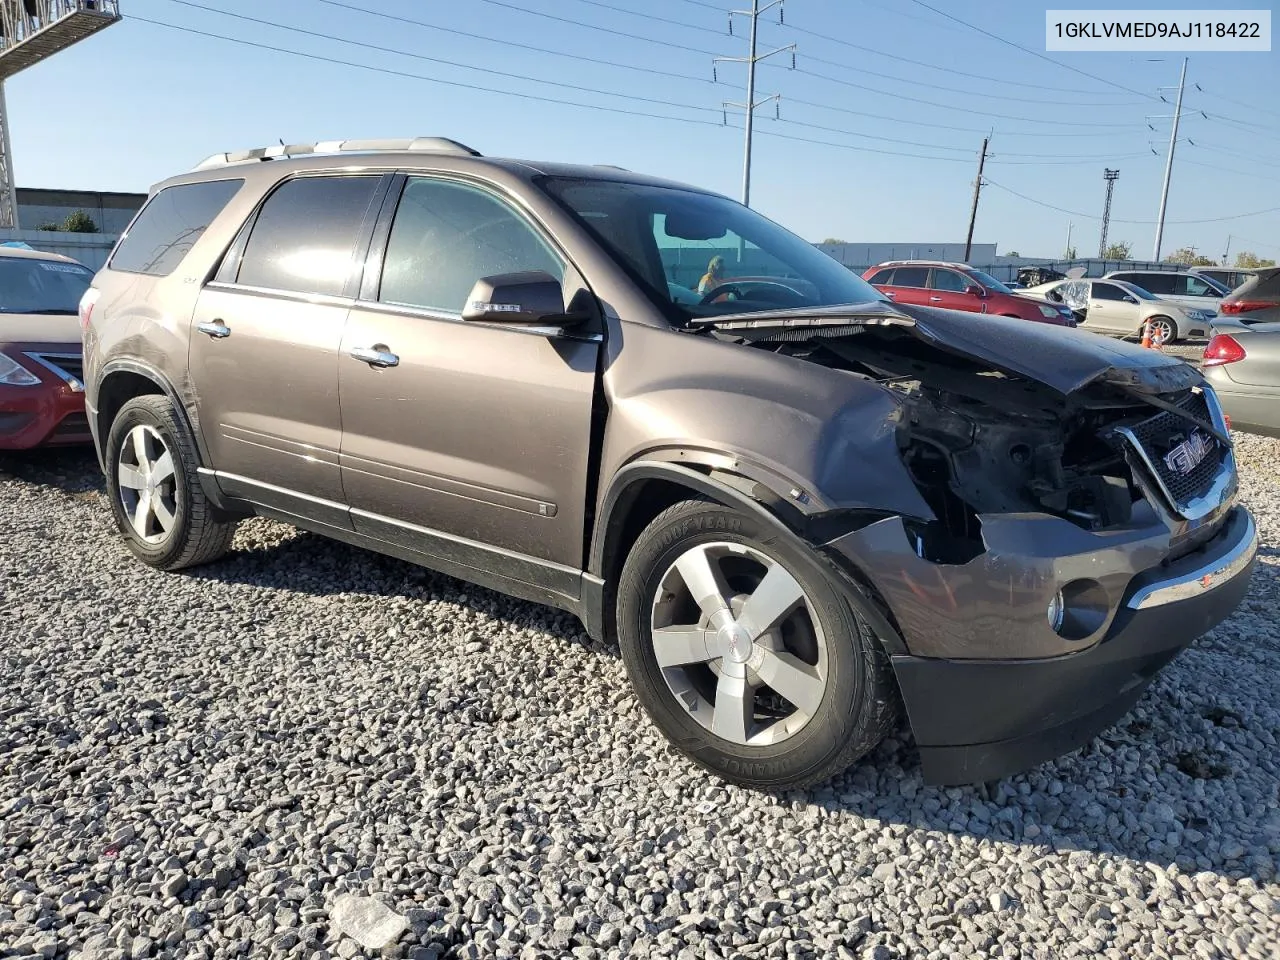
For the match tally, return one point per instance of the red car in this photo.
(41, 393)
(958, 286)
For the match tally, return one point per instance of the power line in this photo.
(955, 109)
(404, 74)
(440, 60)
(1221, 169)
(1052, 159)
(1033, 52)
(592, 26)
(1238, 103)
(418, 76)
(1087, 216)
(512, 43)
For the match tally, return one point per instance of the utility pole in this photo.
(1226, 254)
(1111, 176)
(750, 105)
(1066, 252)
(8, 193)
(1168, 166)
(977, 190)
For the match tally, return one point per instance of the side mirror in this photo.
(532, 298)
(974, 290)
(1129, 298)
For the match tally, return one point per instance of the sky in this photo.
(876, 137)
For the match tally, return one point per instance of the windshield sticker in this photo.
(61, 267)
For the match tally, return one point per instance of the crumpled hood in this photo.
(1062, 358)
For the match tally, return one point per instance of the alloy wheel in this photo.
(737, 642)
(148, 484)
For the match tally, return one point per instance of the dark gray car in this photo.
(795, 505)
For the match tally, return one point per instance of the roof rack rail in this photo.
(411, 144)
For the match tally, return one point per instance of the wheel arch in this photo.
(120, 382)
(643, 489)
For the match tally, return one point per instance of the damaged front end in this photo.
(1057, 466)
(1081, 525)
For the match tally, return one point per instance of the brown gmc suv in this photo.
(796, 505)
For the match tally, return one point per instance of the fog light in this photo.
(1079, 610)
(1057, 610)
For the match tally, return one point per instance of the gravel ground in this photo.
(306, 747)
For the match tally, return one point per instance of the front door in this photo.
(1110, 309)
(264, 346)
(474, 446)
(948, 289)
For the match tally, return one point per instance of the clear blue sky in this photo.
(140, 102)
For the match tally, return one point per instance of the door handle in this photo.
(890, 294)
(935, 299)
(214, 328)
(376, 356)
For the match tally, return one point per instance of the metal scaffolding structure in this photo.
(31, 31)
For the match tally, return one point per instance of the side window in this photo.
(304, 239)
(169, 225)
(883, 277)
(911, 277)
(1157, 283)
(1195, 287)
(446, 236)
(949, 281)
(1107, 291)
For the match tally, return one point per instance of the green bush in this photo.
(79, 222)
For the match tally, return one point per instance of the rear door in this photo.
(475, 446)
(910, 285)
(264, 350)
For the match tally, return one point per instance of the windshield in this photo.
(988, 281)
(41, 286)
(700, 255)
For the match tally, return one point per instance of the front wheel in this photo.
(747, 657)
(154, 490)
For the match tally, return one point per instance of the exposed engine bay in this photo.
(977, 440)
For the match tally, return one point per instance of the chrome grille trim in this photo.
(57, 363)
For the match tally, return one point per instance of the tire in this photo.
(1168, 323)
(191, 535)
(824, 638)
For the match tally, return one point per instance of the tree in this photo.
(79, 222)
(1251, 261)
(1117, 251)
(1013, 253)
(49, 227)
(1188, 257)
(834, 240)
(1069, 253)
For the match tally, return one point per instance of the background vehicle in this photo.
(1187, 289)
(41, 394)
(779, 512)
(957, 286)
(1244, 368)
(1114, 306)
(1257, 300)
(1229, 278)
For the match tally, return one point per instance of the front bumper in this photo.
(978, 720)
(48, 414)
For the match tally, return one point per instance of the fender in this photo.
(626, 485)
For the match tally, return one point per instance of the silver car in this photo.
(1244, 368)
(1116, 307)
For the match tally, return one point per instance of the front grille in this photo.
(1161, 434)
(69, 366)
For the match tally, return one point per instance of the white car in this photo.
(1195, 291)
(1113, 306)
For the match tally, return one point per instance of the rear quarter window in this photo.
(169, 226)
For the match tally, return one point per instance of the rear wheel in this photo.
(154, 490)
(747, 657)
